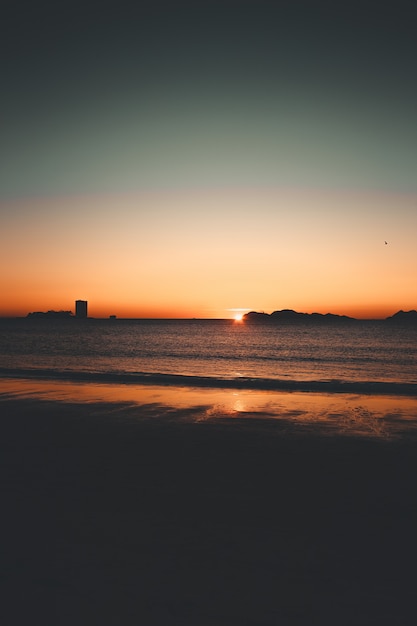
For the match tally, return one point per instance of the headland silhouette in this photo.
(81, 308)
(289, 316)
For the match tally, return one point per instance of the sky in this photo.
(199, 159)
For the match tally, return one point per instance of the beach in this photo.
(128, 512)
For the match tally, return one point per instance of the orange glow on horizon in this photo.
(197, 253)
(128, 313)
(19, 305)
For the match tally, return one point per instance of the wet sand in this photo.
(121, 513)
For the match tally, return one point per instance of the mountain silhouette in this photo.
(408, 317)
(288, 316)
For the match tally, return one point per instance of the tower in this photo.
(81, 308)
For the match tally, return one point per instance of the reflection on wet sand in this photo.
(376, 416)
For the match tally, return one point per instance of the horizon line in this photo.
(115, 317)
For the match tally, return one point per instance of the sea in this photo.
(367, 357)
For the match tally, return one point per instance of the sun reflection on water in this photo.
(375, 416)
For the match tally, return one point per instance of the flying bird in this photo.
(386, 243)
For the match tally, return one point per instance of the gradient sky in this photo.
(187, 159)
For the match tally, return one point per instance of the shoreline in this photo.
(320, 414)
(117, 512)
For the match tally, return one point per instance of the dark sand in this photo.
(117, 515)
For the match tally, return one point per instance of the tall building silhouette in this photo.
(81, 308)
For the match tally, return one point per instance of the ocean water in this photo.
(362, 357)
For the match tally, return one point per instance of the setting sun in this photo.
(238, 317)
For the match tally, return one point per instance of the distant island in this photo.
(288, 316)
(50, 314)
(404, 316)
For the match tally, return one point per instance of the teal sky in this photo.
(102, 98)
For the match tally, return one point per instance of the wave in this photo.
(367, 387)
